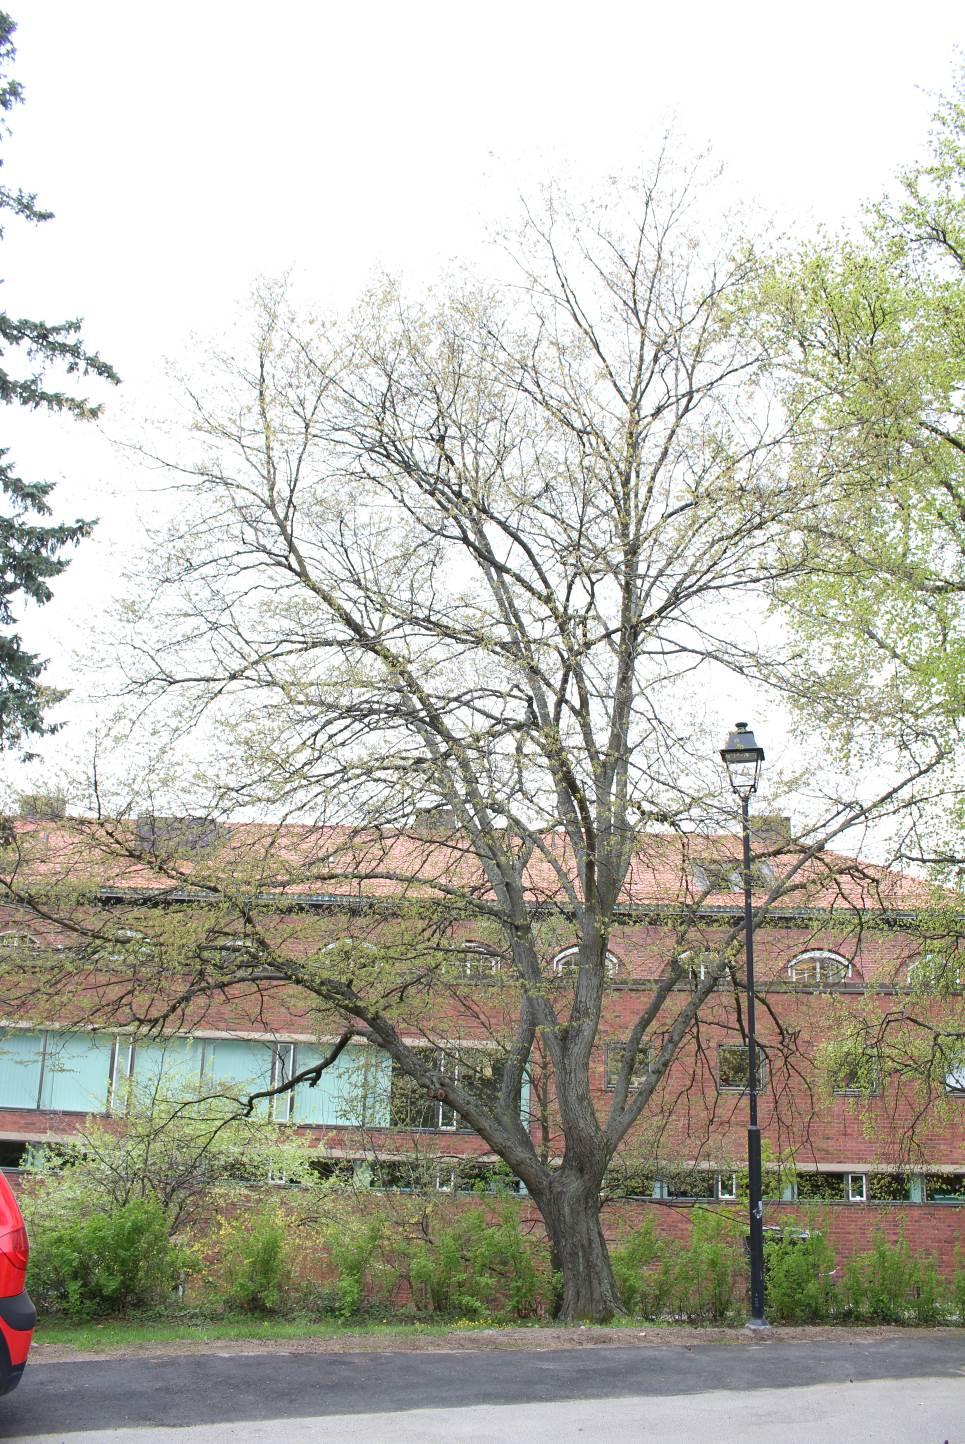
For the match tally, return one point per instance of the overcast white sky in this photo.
(186, 148)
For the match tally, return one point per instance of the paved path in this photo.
(893, 1391)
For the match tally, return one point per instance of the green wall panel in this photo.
(21, 1055)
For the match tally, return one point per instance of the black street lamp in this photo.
(743, 759)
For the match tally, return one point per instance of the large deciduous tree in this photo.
(452, 578)
(31, 546)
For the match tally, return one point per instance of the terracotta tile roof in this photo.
(301, 861)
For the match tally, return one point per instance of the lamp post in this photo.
(742, 758)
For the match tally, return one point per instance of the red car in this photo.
(17, 1313)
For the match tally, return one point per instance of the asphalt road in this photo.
(607, 1393)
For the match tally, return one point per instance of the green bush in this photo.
(799, 1278)
(256, 1262)
(712, 1273)
(361, 1278)
(481, 1265)
(890, 1285)
(957, 1292)
(703, 1280)
(105, 1263)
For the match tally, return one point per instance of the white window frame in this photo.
(559, 962)
(956, 972)
(857, 1188)
(821, 955)
(729, 1194)
(695, 972)
(13, 941)
(282, 1065)
(475, 958)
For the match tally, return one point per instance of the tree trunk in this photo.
(571, 1212)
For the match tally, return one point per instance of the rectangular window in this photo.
(827, 1187)
(163, 1068)
(696, 1185)
(282, 1070)
(727, 1187)
(614, 1062)
(353, 1092)
(732, 1068)
(235, 1067)
(77, 1072)
(21, 1063)
(856, 1076)
(889, 1188)
(857, 1188)
(945, 1187)
(479, 1069)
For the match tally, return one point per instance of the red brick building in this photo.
(860, 1011)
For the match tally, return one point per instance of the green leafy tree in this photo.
(868, 338)
(32, 546)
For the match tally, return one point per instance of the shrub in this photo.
(711, 1270)
(481, 1264)
(889, 1284)
(799, 1277)
(360, 1275)
(106, 1262)
(256, 1261)
(702, 1281)
(957, 1299)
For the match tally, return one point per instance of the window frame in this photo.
(845, 1088)
(762, 1068)
(850, 1186)
(559, 960)
(954, 973)
(450, 1059)
(694, 973)
(474, 957)
(644, 1060)
(820, 955)
(728, 1195)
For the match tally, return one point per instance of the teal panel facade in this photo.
(21, 1061)
(166, 1066)
(355, 1090)
(77, 1072)
(236, 1066)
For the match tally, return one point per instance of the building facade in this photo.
(860, 1005)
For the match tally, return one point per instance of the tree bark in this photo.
(571, 1212)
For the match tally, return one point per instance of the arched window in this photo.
(18, 942)
(818, 967)
(565, 964)
(478, 961)
(125, 945)
(695, 964)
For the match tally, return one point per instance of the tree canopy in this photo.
(868, 336)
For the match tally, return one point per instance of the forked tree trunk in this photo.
(571, 1212)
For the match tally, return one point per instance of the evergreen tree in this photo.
(31, 547)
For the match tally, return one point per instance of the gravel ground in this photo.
(474, 1340)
